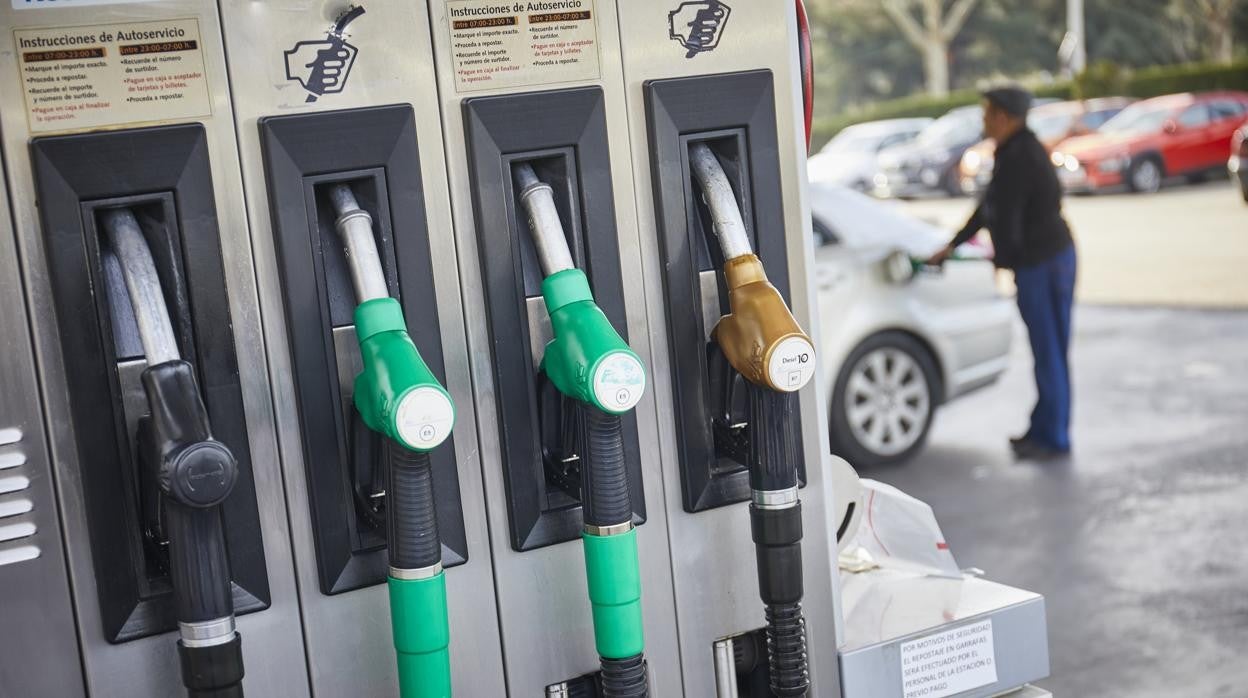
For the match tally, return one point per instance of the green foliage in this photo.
(1102, 79)
(1162, 80)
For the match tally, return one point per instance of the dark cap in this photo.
(1012, 100)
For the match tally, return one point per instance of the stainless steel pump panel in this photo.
(330, 93)
(126, 105)
(527, 85)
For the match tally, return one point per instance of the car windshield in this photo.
(951, 128)
(1050, 126)
(1140, 118)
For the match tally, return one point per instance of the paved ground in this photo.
(1139, 541)
(1187, 245)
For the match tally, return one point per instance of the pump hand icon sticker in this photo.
(322, 66)
(698, 25)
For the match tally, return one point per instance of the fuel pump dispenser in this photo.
(193, 471)
(588, 362)
(148, 392)
(356, 264)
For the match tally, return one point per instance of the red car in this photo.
(1184, 134)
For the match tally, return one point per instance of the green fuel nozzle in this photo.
(397, 395)
(588, 361)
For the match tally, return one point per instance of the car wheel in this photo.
(884, 400)
(952, 183)
(1243, 190)
(1145, 176)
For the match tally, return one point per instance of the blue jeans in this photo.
(1046, 292)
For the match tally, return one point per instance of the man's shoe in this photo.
(1034, 450)
(1016, 441)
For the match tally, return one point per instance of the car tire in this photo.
(1145, 175)
(883, 401)
(951, 183)
(1243, 190)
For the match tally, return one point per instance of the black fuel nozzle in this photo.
(194, 473)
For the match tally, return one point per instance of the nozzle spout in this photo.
(539, 203)
(717, 193)
(125, 237)
(355, 226)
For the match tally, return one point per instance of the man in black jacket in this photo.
(1022, 210)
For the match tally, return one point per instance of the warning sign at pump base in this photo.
(495, 43)
(84, 77)
(949, 663)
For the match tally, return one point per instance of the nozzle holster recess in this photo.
(583, 339)
(393, 367)
(757, 322)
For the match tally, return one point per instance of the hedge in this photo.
(1099, 80)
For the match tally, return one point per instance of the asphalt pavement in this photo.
(1139, 541)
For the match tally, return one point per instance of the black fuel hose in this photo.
(413, 519)
(604, 476)
(777, 535)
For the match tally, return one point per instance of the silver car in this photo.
(896, 342)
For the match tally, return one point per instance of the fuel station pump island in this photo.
(429, 349)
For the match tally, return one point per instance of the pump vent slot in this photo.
(16, 483)
(10, 435)
(22, 553)
(15, 507)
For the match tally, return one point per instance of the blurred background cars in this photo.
(1175, 135)
(894, 346)
(850, 159)
(929, 163)
(1238, 164)
(1052, 124)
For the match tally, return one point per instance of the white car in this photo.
(895, 342)
(850, 158)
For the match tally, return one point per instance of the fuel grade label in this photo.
(106, 75)
(510, 44)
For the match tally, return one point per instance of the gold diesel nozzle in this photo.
(759, 335)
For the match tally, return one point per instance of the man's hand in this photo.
(940, 257)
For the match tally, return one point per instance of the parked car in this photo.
(1238, 164)
(1052, 124)
(1182, 134)
(930, 162)
(893, 348)
(849, 159)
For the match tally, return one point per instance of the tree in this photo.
(931, 34)
(1217, 16)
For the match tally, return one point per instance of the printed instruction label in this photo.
(949, 663)
(37, 4)
(83, 77)
(508, 44)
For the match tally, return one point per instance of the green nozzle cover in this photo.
(396, 393)
(614, 575)
(422, 636)
(588, 360)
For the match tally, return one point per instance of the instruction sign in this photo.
(949, 663)
(508, 44)
(84, 77)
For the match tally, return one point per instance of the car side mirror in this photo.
(1171, 127)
